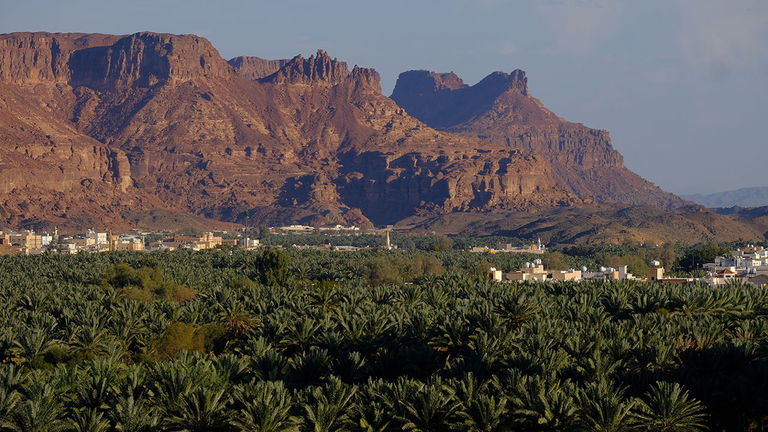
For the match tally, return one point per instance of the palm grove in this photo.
(369, 341)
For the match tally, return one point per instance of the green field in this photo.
(368, 341)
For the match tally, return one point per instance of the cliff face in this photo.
(254, 68)
(43, 57)
(499, 109)
(113, 128)
(145, 60)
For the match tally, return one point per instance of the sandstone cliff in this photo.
(115, 126)
(499, 109)
(254, 68)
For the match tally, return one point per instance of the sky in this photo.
(682, 85)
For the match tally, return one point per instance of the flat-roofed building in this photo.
(566, 275)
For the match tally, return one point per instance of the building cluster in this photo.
(749, 264)
(29, 242)
(535, 272)
(535, 248)
(306, 229)
(23, 242)
(330, 247)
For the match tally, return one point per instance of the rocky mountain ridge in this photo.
(254, 68)
(499, 109)
(162, 121)
(103, 130)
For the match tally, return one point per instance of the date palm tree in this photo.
(266, 408)
(32, 343)
(40, 410)
(605, 409)
(667, 407)
(544, 404)
(431, 407)
(202, 410)
(88, 420)
(330, 407)
(131, 414)
(372, 416)
(486, 413)
(8, 399)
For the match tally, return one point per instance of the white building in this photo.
(752, 260)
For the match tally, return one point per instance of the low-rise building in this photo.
(66, 247)
(126, 243)
(28, 240)
(296, 228)
(535, 248)
(338, 227)
(743, 261)
(531, 272)
(249, 243)
(495, 275)
(97, 238)
(656, 271)
(566, 275)
(206, 241)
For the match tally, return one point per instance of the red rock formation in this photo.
(254, 68)
(113, 128)
(500, 110)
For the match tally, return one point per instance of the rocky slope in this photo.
(499, 109)
(157, 130)
(102, 126)
(607, 223)
(254, 68)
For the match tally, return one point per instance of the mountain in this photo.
(744, 197)
(499, 109)
(255, 68)
(94, 127)
(158, 130)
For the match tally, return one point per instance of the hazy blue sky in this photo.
(680, 84)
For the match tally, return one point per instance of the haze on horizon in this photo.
(680, 84)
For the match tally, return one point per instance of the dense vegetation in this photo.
(370, 341)
(678, 259)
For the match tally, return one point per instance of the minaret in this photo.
(389, 245)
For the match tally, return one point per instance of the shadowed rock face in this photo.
(499, 109)
(102, 129)
(443, 100)
(254, 68)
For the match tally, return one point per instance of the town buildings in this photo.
(26, 242)
(535, 248)
(29, 242)
(749, 264)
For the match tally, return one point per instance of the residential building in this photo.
(531, 272)
(495, 275)
(566, 275)
(656, 271)
(205, 241)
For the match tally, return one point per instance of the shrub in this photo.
(177, 337)
(146, 284)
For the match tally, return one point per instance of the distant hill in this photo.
(603, 224)
(744, 197)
